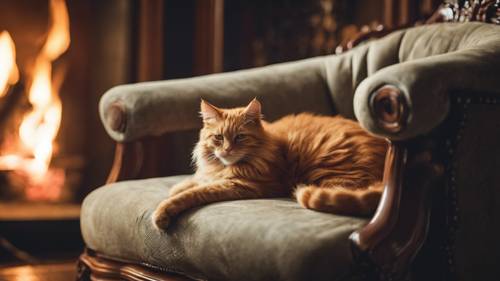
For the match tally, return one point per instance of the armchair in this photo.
(429, 90)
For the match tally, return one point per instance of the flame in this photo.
(39, 128)
(58, 37)
(9, 73)
(29, 156)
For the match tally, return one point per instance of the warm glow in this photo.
(58, 37)
(8, 69)
(39, 127)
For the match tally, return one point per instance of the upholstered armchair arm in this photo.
(422, 82)
(131, 112)
(408, 104)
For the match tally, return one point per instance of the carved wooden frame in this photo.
(389, 242)
(92, 266)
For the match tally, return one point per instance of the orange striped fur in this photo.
(329, 163)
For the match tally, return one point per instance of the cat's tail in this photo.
(338, 200)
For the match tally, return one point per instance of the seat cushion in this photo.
(266, 239)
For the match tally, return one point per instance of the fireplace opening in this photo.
(31, 116)
(57, 58)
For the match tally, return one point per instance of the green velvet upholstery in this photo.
(276, 239)
(238, 240)
(431, 62)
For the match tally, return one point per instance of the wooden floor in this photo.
(48, 272)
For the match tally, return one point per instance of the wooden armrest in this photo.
(128, 162)
(391, 240)
(139, 159)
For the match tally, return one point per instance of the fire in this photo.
(39, 127)
(9, 73)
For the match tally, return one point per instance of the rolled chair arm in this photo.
(405, 102)
(130, 112)
(411, 98)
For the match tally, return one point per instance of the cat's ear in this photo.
(253, 110)
(208, 112)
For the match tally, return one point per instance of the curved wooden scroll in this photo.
(136, 159)
(91, 266)
(386, 216)
(128, 161)
(487, 11)
(399, 227)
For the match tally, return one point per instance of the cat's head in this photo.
(231, 135)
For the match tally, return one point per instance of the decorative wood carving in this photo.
(487, 11)
(465, 10)
(93, 267)
(399, 227)
(390, 108)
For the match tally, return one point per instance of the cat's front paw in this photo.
(181, 187)
(160, 219)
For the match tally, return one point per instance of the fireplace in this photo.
(31, 113)
(57, 57)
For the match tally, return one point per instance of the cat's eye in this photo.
(239, 137)
(219, 137)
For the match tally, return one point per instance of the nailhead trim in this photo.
(462, 104)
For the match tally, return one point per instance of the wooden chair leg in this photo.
(83, 271)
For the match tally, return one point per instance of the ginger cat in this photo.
(331, 163)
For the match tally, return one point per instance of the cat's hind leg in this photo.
(340, 200)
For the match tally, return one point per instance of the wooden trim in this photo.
(393, 237)
(150, 37)
(390, 108)
(404, 13)
(92, 266)
(128, 162)
(388, 15)
(209, 36)
(398, 229)
(387, 212)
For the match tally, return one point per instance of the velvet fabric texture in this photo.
(423, 62)
(266, 239)
(276, 239)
